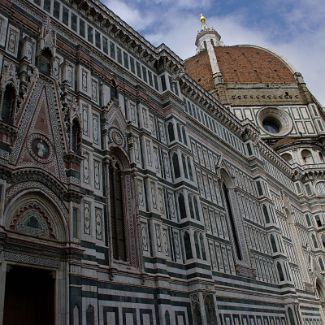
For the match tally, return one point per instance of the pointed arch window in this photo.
(204, 255)
(90, 315)
(171, 133)
(176, 165)
(318, 221)
(190, 172)
(167, 318)
(197, 246)
(76, 137)
(323, 240)
(190, 203)
(314, 240)
(266, 214)
(291, 317)
(117, 211)
(273, 244)
(114, 91)
(8, 104)
(181, 204)
(188, 247)
(179, 132)
(196, 208)
(280, 271)
(45, 62)
(321, 263)
(184, 135)
(184, 166)
(232, 221)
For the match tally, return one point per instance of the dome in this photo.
(242, 64)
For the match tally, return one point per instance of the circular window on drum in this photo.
(274, 121)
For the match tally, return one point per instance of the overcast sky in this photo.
(294, 29)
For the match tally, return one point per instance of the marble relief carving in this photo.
(158, 237)
(97, 174)
(99, 223)
(12, 40)
(87, 217)
(3, 29)
(85, 119)
(86, 176)
(96, 129)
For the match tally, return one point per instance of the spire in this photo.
(206, 40)
(207, 35)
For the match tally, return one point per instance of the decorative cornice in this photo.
(128, 37)
(206, 100)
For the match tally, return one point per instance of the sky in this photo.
(294, 29)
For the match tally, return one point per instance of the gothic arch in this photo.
(122, 211)
(33, 213)
(76, 136)
(45, 61)
(8, 102)
(226, 178)
(227, 185)
(320, 288)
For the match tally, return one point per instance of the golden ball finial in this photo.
(203, 20)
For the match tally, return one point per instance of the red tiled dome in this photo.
(240, 64)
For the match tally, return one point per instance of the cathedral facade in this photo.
(137, 188)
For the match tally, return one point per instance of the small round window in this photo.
(274, 121)
(272, 125)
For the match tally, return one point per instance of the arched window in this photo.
(280, 271)
(171, 133)
(190, 172)
(76, 137)
(188, 247)
(318, 221)
(313, 237)
(179, 132)
(114, 91)
(167, 318)
(196, 208)
(291, 317)
(197, 246)
(190, 203)
(266, 214)
(184, 135)
(184, 166)
(181, 204)
(45, 62)
(323, 240)
(117, 211)
(8, 104)
(197, 318)
(204, 256)
(210, 310)
(176, 165)
(232, 221)
(321, 264)
(273, 243)
(286, 268)
(287, 157)
(90, 315)
(321, 157)
(307, 157)
(308, 220)
(76, 315)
